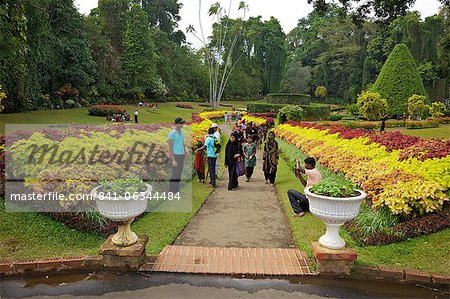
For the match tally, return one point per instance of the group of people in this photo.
(240, 159)
(118, 117)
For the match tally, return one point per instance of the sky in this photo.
(288, 12)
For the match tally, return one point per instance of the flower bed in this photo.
(260, 120)
(415, 184)
(183, 105)
(105, 110)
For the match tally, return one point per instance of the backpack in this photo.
(217, 145)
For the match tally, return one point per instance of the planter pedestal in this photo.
(124, 236)
(333, 261)
(124, 258)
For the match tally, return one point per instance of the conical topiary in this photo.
(398, 80)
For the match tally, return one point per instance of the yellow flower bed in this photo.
(255, 120)
(424, 186)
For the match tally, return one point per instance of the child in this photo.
(199, 163)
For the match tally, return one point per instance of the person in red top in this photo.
(199, 163)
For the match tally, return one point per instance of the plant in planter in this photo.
(334, 201)
(122, 200)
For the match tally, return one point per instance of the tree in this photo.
(371, 105)
(138, 58)
(113, 18)
(297, 78)
(398, 80)
(2, 97)
(416, 105)
(162, 14)
(321, 92)
(220, 63)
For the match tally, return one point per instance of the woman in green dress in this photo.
(249, 150)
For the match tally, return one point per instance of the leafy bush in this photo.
(422, 124)
(353, 109)
(290, 112)
(321, 91)
(105, 110)
(371, 221)
(288, 98)
(335, 187)
(416, 105)
(335, 117)
(398, 80)
(437, 109)
(263, 107)
(120, 187)
(371, 105)
(183, 105)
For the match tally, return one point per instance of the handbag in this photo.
(240, 167)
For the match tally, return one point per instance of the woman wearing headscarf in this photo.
(270, 158)
(232, 154)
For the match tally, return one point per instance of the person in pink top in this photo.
(298, 200)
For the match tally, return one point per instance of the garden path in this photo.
(250, 216)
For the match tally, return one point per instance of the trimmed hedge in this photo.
(105, 110)
(311, 112)
(398, 80)
(289, 98)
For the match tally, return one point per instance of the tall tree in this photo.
(138, 58)
(113, 14)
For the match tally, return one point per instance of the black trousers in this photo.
(270, 176)
(232, 177)
(200, 175)
(176, 174)
(136, 119)
(249, 172)
(212, 170)
(299, 202)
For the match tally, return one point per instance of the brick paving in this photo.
(230, 260)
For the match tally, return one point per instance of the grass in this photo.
(166, 113)
(427, 253)
(34, 235)
(443, 131)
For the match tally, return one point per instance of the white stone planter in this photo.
(334, 212)
(122, 210)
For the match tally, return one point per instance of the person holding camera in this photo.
(298, 200)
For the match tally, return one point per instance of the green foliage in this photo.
(121, 187)
(416, 105)
(290, 112)
(321, 91)
(437, 109)
(371, 105)
(398, 80)
(138, 58)
(263, 107)
(288, 98)
(2, 97)
(335, 187)
(371, 221)
(353, 109)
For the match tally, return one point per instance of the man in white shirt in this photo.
(298, 200)
(136, 113)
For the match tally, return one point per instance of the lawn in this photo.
(33, 235)
(442, 132)
(428, 253)
(166, 113)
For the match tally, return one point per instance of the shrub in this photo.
(2, 97)
(335, 117)
(416, 105)
(263, 107)
(105, 110)
(183, 105)
(321, 91)
(371, 221)
(398, 80)
(288, 98)
(437, 109)
(353, 109)
(290, 112)
(422, 124)
(371, 105)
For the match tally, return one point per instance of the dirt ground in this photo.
(250, 216)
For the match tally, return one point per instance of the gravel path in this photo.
(250, 216)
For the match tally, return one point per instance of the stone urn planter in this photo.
(334, 212)
(122, 210)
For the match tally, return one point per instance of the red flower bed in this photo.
(394, 140)
(264, 115)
